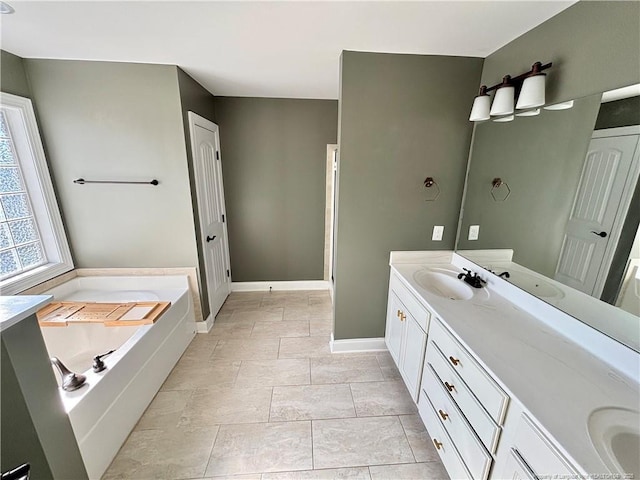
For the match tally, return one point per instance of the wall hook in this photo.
(433, 191)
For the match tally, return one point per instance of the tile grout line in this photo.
(407, 438)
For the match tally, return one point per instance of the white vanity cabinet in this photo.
(464, 400)
(533, 455)
(406, 333)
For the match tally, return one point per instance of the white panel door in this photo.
(205, 146)
(591, 224)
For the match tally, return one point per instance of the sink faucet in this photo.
(504, 275)
(471, 278)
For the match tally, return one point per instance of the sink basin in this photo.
(443, 283)
(615, 434)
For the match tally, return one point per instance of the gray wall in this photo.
(35, 426)
(194, 98)
(13, 78)
(103, 120)
(541, 159)
(402, 118)
(594, 47)
(273, 159)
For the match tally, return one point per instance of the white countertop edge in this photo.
(16, 308)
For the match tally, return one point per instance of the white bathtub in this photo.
(104, 411)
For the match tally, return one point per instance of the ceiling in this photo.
(264, 48)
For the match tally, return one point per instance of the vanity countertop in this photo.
(16, 308)
(556, 379)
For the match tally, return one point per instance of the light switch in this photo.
(438, 231)
(474, 231)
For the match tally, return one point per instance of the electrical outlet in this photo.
(474, 232)
(438, 231)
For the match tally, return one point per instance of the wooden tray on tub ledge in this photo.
(61, 314)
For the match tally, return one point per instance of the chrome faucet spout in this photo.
(70, 381)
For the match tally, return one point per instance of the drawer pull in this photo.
(455, 361)
(399, 313)
(450, 387)
(444, 415)
(437, 444)
(403, 317)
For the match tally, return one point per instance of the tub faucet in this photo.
(70, 381)
(504, 275)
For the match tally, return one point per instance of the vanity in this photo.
(501, 383)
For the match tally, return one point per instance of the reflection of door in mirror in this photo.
(601, 204)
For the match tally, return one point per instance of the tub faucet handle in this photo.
(98, 364)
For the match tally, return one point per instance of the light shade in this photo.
(529, 113)
(504, 98)
(532, 93)
(560, 106)
(480, 109)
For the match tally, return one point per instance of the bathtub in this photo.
(105, 410)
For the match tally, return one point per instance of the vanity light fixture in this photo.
(529, 87)
(506, 118)
(504, 98)
(481, 106)
(532, 92)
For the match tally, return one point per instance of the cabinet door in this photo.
(415, 342)
(516, 468)
(393, 334)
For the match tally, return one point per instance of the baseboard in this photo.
(294, 285)
(205, 327)
(357, 345)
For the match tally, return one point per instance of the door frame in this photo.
(329, 217)
(195, 119)
(625, 203)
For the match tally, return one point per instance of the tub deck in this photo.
(103, 412)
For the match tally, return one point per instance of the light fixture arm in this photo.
(536, 69)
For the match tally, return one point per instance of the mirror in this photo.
(559, 193)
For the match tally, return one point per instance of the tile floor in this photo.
(262, 397)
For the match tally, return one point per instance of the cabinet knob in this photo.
(437, 444)
(399, 313)
(443, 415)
(449, 386)
(403, 317)
(455, 361)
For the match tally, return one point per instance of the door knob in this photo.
(209, 239)
(600, 234)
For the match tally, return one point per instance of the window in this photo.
(33, 245)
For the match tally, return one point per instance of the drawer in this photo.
(421, 314)
(480, 420)
(539, 453)
(445, 448)
(486, 390)
(469, 446)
